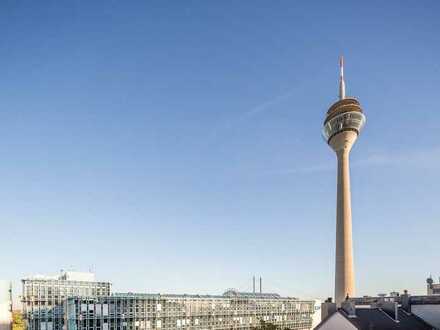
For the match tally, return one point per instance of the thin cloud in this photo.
(426, 159)
(258, 109)
(312, 169)
(268, 104)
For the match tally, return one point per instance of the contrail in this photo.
(266, 105)
(262, 107)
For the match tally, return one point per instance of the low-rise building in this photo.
(386, 316)
(407, 312)
(432, 288)
(232, 310)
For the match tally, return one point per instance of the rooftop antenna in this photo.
(253, 284)
(341, 78)
(261, 284)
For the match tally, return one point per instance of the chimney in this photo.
(406, 301)
(261, 285)
(253, 284)
(327, 308)
(392, 309)
(349, 307)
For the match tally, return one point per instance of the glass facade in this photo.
(175, 312)
(43, 299)
(352, 120)
(60, 304)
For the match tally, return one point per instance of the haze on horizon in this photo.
(175, 146)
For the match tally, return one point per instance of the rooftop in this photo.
(373, 318)
(233, 293)
(227, 294)
(377, 319)
(64, 276)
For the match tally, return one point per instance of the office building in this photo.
(432, 288)
(342, 126)
(5, 305)
(43, 297)
(232, 310)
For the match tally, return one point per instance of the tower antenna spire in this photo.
(341, 78)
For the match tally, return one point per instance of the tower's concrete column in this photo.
(344, 272)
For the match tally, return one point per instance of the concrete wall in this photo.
(429, 313)
(78, 276)
(337, 322)
(5, 306)
(316, 319)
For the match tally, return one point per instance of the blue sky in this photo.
(174, 146)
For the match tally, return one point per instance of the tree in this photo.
(17, 321)
(265, 326)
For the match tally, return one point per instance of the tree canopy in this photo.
(18, 321)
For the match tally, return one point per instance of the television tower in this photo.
(342, 125)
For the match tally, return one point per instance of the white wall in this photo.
(429, 313)
(79, 276)
(317, 314)
(5, 306)
(337, 322)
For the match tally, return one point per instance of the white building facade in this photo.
(5, 305)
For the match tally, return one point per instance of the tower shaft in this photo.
(344, 272)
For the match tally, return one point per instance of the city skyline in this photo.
(176, 147)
